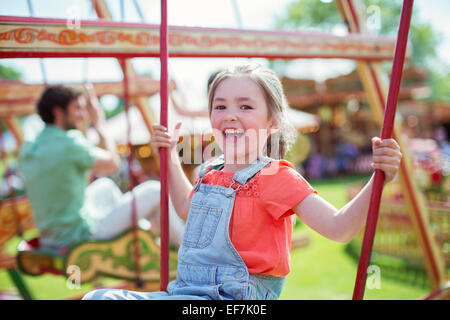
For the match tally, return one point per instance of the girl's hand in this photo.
(162, 139)
(386, 157)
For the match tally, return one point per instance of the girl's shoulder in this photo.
(278, 167)
(281, 171)
(281, 179)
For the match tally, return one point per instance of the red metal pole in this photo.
(132, 179)
(386, 133)
(164, 81)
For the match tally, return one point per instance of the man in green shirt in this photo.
(56, 166)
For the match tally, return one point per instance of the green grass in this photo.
(322, 270)
(45, 287)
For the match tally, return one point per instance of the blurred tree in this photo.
(8, 73)
(440, 84)
(324, 16)
(309, 14)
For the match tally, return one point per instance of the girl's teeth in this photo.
(233, 132)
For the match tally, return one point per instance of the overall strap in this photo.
(244, 175)
(241, 176)
(207, 166)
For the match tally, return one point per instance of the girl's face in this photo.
(240, 119)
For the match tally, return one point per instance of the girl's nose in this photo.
(230, 116)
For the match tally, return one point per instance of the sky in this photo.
(190, 74)
(252, 14)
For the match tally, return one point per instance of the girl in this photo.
(237, 239)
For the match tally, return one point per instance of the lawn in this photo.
(322, 270)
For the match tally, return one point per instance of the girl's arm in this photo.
(180, 187)
(342, 225)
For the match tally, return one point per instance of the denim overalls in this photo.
(209, 267)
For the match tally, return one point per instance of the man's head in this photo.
(62, 106)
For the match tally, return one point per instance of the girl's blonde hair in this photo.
(278, 143)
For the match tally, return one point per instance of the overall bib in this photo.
(209, 267)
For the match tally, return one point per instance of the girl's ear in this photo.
(273, 127)
(272, 130)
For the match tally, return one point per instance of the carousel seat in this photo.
(33, 260)
(92, 258)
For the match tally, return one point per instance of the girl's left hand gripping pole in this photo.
(386, 133)
(164, 152)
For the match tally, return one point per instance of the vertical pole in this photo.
(12, 193)
(386, 133)
(372, 77)
(237, 14)
(41, 61)
(20, 284)
(101, 8)
(13, 125)
(132, 179)
(163, 38)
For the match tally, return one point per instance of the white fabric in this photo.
(110, 210)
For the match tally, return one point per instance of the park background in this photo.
(323, 269)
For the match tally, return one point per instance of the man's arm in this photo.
(108, 160)
(182, 110)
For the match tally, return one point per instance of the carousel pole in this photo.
(164, 152)
(386, 133)
(132, 178)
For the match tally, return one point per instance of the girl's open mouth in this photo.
(232, 134)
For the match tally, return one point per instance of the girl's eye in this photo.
(219, 107)
(246, 107)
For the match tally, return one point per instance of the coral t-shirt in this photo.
(261, 223)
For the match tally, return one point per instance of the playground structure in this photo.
(36, 37)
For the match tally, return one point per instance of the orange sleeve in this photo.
(282, 189)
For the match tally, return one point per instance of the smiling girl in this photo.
(239, 212)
